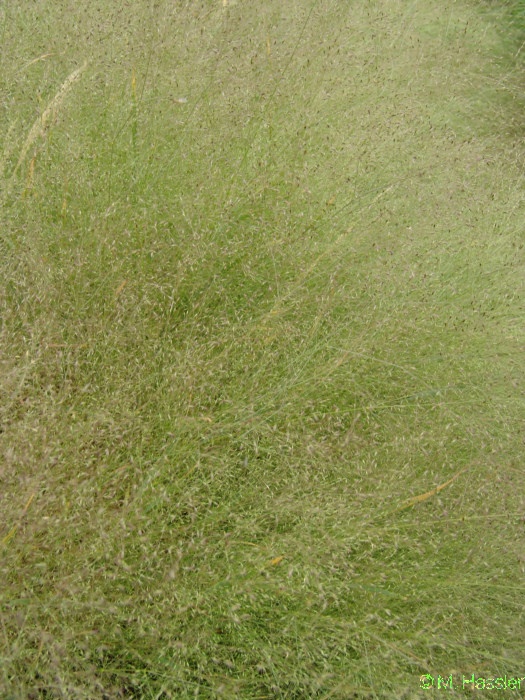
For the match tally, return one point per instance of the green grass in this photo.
(262, 295)
(512, 12)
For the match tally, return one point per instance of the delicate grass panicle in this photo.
(262, 349)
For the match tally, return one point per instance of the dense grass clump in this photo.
(261, 337)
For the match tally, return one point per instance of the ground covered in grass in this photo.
(261, 343)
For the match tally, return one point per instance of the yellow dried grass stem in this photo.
(36, 60)
(41, 124)
(424, 496)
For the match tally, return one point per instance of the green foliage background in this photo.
(261, 348)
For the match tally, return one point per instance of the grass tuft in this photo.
(261, 339)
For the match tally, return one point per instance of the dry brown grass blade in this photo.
(423, 497)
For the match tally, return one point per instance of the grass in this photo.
(262, 350)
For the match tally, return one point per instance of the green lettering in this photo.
(511, 683)
(500, 684)
(480, 683)
(445, 682)
(467, 680)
